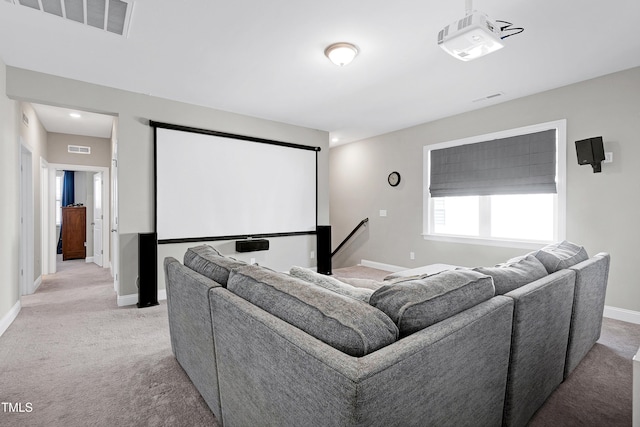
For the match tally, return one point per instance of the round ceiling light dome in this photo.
(341, 53)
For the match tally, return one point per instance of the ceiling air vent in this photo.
(78, 149)
(109, 15)
(488, 97)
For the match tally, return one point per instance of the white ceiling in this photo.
(60, 120)
(265, 58)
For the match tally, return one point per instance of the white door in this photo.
(115, 238)
(97, 218)
(44, 215)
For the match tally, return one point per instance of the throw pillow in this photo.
(331, 283)
(514, 273)
(416, 304)
(207, 261)
(344, 323)
(561, 255)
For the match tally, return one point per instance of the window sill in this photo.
(520, 244)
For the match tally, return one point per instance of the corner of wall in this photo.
(9, 211)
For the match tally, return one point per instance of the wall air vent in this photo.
(78, 149)
(113, 16)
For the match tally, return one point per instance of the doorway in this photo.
(27, 285)
(96, 179)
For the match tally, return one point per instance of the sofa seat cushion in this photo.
(416, 304)
(331, 283)
(514, 273)
(206, 260)
(344, 323)
(561, 255)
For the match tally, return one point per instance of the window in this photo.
(520, 212)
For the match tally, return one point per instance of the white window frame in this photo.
(59, 200)
(561, 174)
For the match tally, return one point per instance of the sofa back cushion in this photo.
(332, 284)
(558, 256)
(416, 304)
(514, 273)
(344, 323)
(207, 261)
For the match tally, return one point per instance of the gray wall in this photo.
(58, 150)
(9, 194)
(135, 146)
(602, 209)
(35, 137)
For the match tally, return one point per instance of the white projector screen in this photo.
(212, 186)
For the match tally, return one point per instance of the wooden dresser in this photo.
(74, 232)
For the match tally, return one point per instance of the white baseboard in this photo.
(88, 259)
(132, 299)
(35, 285)
(381, 266)
(8, 319)
(622, 314)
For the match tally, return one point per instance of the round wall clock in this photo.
(394, 179)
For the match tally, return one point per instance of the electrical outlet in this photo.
(312, 255)
(383, 212)
(412, 255)
(253, 261)
(608, 157)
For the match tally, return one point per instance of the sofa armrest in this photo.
(541, 319)
(190, 328)
(272, 373)
(588, 306)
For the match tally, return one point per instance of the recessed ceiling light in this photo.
(341, 53)
(75, 115)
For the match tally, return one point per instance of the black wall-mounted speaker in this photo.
(323, 248)
(590, 151)
(252, 245)
(147, 269)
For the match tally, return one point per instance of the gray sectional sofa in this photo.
(477, 347)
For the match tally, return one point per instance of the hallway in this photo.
(79, 359)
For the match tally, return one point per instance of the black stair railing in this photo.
(354, 231)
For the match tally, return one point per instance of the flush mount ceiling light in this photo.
(474, 35)
(341, 53)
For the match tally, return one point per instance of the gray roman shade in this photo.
(523, 164)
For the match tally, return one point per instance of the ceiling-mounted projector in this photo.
(470, 37)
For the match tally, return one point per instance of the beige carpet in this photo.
(82, 361)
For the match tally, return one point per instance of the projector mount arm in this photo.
(468, 7)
